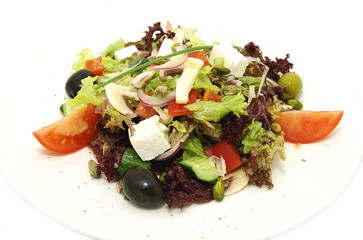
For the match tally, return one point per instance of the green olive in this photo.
(293, 85)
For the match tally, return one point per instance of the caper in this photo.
(293, 85)
(218, 190)
(296, 104)
(94, 172)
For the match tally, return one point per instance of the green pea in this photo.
(293, 85)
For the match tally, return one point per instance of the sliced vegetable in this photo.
(70, 133)
(237, 180)
(200, 55)
(175, 109)
(117, 95)
(308, 126)
(95, 66)
(209, 95)
(155, 101)
(175, 62)
(171, 152)
(145, 111)
(184, 84)
(202, 167)
(228, 152)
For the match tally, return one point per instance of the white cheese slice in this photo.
(165, 47)
(150, 138)
(184, 84)
(233, 60)
(125, 52)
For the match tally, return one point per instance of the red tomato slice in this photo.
(228, 152)
(95, 66)
(209, 95)
(200, 55)
(308, 126)
(176, 109)
(145, 111)
(70, 133)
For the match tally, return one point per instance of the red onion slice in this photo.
(155, 101)
(171, 152)
(175, 62)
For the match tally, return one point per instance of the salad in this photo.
(174, 121)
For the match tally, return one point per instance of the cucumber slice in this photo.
(203, 168)
(65, 109)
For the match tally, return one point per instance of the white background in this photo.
(20, 220)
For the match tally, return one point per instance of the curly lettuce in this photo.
(260, 146)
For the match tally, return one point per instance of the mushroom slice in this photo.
(117, 96)
(237, 179)
(142, 79)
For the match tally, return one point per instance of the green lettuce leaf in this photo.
(263, 143)
(156, 81)
(193, 147)
(111, 65)
(178, 126)
(83, 56)
(87, 94)
(113, 47)
(214, 111)
(203, 81)
(194, 40)
(115, 118)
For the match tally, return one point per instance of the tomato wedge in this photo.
(70, 133)
(308, 126)
(228, 152)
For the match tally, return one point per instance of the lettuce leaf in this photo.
(214, 111)
(87, 94)
(111, 65)
(113, 47)
(194, 40)
(83, 56)
(203, 81)
(156, 81)
(115, 118)
(193, 147)
(262, 142)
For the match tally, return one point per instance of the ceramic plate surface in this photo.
(307, 181)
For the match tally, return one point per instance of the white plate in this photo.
(309, 180)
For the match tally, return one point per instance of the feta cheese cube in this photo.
(125, 52)
(150, 138)
(233, 60)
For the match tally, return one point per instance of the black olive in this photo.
(142, 187)
(74, 84)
